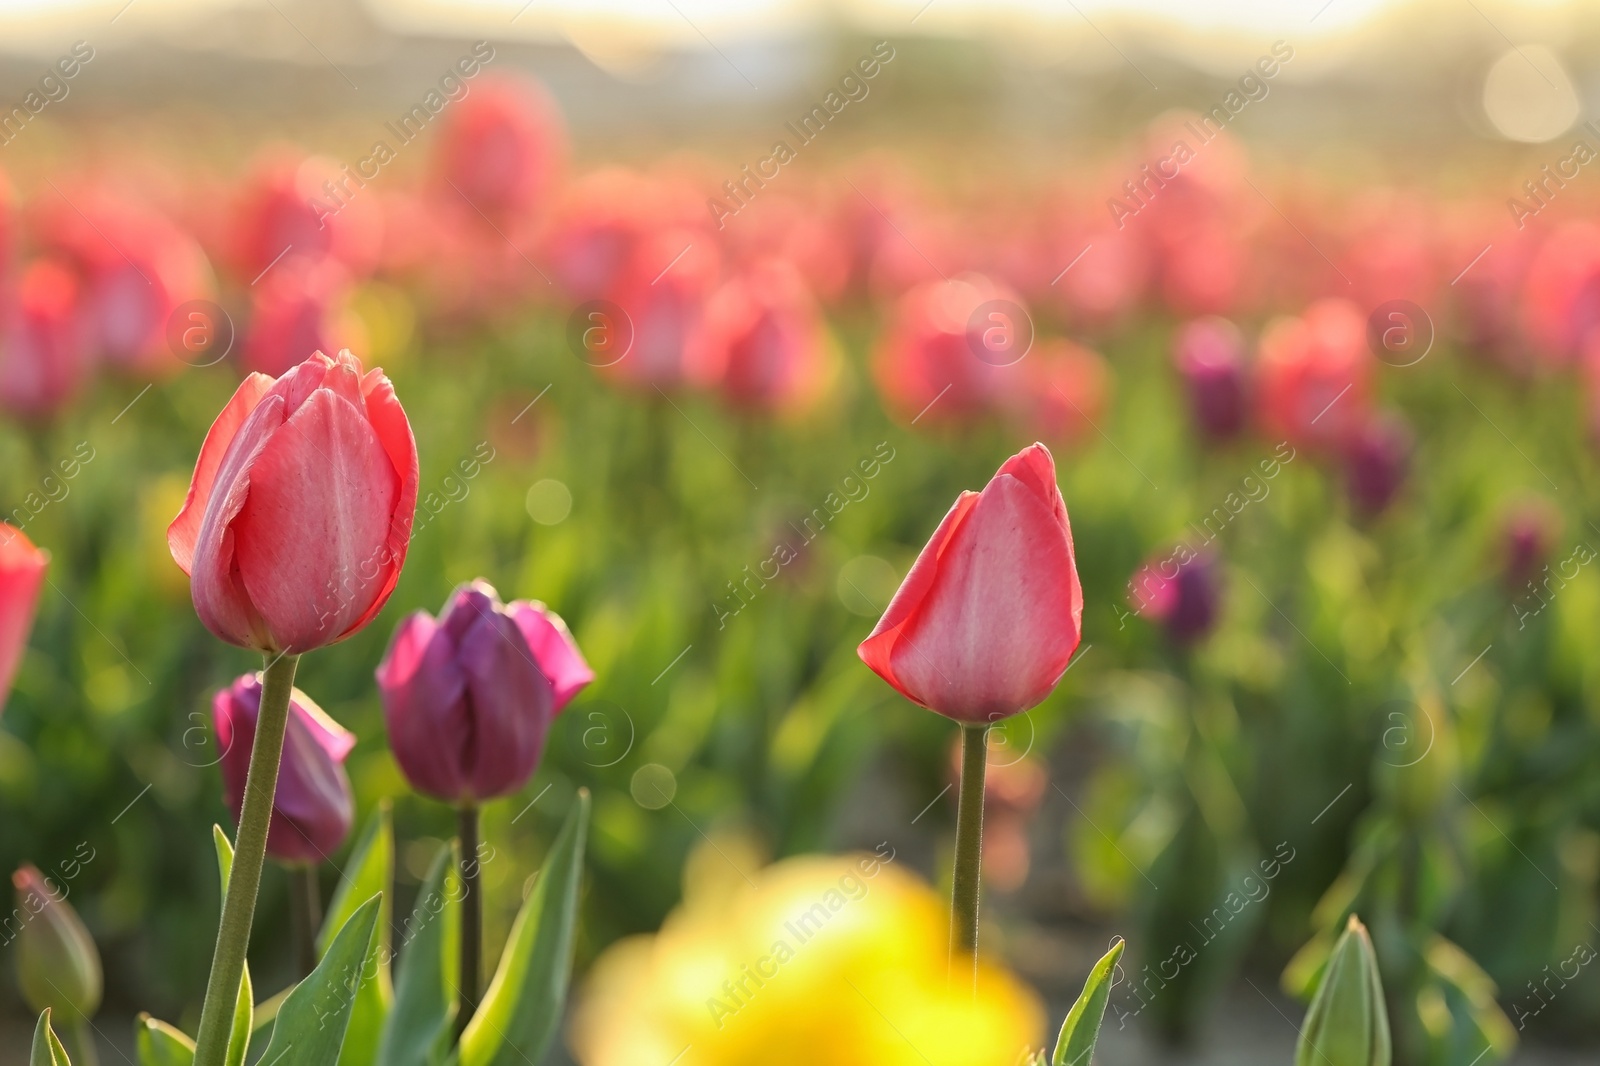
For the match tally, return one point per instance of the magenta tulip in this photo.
(470, 696)
(313, 808)
(1210, 355)
(21, 576)
(299, 515)
(1181, 591)
(988, 617)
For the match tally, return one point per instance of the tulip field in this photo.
(496, 601)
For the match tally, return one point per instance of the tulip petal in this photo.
(322, 494)
(314, 807)
(1035, 468)
(22, 569)
(1002, 616)
(553, 649)
(185, 528)
(511, 705)
(425, 708)
(877, 650)
(219, 595)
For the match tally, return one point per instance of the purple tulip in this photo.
(1181, 590)
(1210, 355)
(1529, 532)
(1377, 457)
(470, 696)
(313, 809)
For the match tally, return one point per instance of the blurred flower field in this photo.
(1326, 447)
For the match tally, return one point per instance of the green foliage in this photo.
(417, 1028)
(1348, 1024)
(159, 1044)
(520, 1011)
(369, 873)
(47, 1049)
(313, 1020)
(1081, 1030)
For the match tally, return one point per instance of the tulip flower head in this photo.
(313, 808)
(988, 617)
(21, 575)
(1181, 591)
(299, 515)
(1315, 374)
(1377, 458)
(1210, 356)
(470, 696)
(58, 966)
(44, 354)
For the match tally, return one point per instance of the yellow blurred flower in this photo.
(813, 961)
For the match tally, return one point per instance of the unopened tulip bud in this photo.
(58, 966)
(1347, 1024)
(299, 514)
(987, 619)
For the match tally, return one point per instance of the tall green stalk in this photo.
(249, 853)
(969, 854)
(471, 919)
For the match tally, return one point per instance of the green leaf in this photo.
(239, 1038)
(370, 871)
(159, 1044)
(311, 1024)
(417, 1030)
(1075, 1045)
(519, 1013)
(47, 1050)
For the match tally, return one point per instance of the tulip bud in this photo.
(299, 515)
(1315, 374)
(1529, 532)
(1210, 356)
(1347, 1024)
(989, 615)
(1377, 457)
(57, 964)
(761, 341)
(313, 808)
(21, 575)
(1185, 601)
(469, 697)
(502, 146)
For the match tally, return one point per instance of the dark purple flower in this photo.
(1181, 590)
(313, 809)
(470, 696)
(1377, 457)
(1529, 532)
(1210, 355)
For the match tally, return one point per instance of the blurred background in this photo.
(1302, 294)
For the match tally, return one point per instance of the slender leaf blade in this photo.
(519, 1013)
(1081, 1030)
(311, 1024)
(159, 1044)
(370, 870)
(239, 1036)
(47, 1049)
(418, 1027)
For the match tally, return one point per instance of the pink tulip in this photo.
(299, 515)
(761, 341)
(932, 364)
(296, 208)
(470, 696)
(502, 146)
(989, 615)
(1315, 374)
(313, 808)
(22, 569)
(44, 357)
(300, 307)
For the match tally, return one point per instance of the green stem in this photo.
(969, 853)
(87, 1056)
(471, 919)
(249, 852)
(305, 915)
